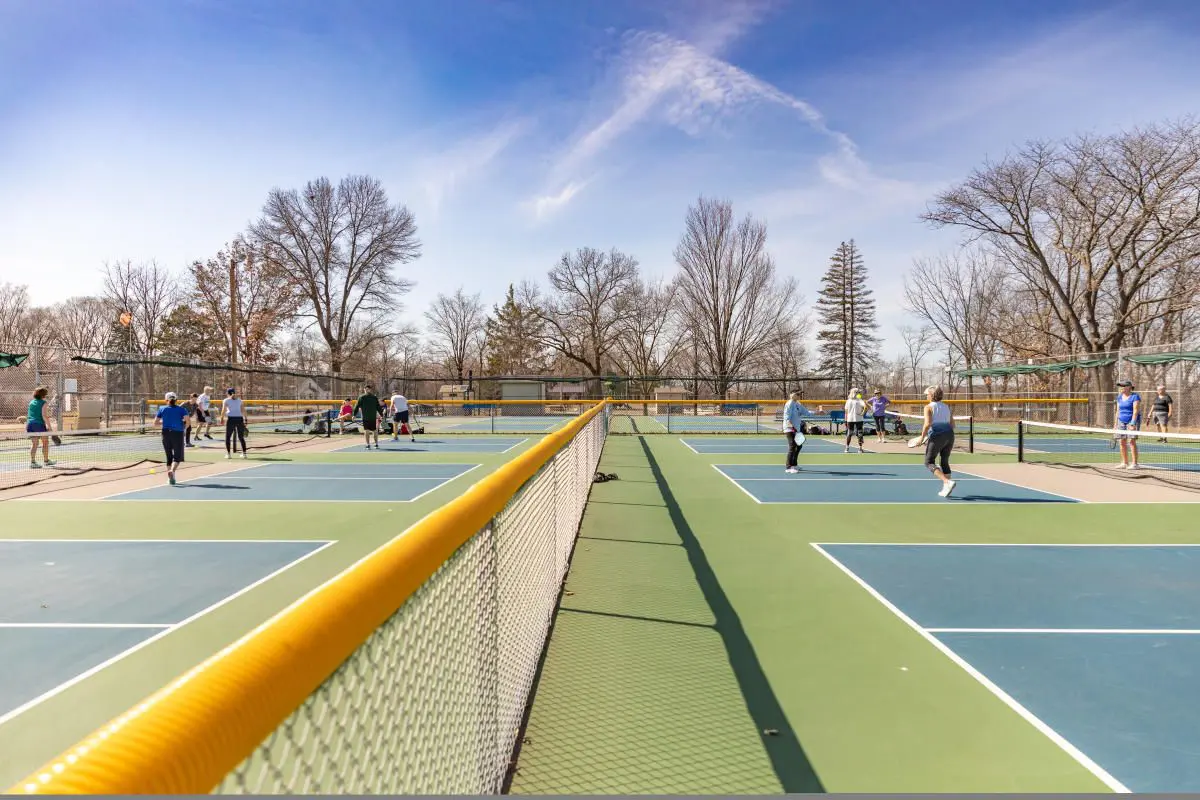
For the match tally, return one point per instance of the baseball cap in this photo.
(230, 390)
(170, 396)
(1125, 383)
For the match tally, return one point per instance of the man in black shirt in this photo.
(370, 408)
(1163, 406)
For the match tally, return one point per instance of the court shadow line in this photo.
(788, 758)
(987, 498)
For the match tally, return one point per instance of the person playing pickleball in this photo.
(370, 408)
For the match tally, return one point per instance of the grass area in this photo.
(697, 621)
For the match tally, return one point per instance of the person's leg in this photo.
(859, 430)
(229, 428)
(1123, 441)
(241, 434)
(33, 443)
(46, 449)
(793, 451)
(1133, 450)
(168, 451)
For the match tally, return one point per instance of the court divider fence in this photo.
(407, 673)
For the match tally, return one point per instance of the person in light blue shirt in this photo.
(793, 428)
(173, 419)
(1129, 418)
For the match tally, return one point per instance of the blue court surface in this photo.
(68, 607)
(872, 483)
(512, 424)
(1091, 444)
(290, 482)
(432, 444)
(1098, 642)
(750, 423)
(761, 445)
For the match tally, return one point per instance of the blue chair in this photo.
(836, 419)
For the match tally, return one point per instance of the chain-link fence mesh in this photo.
(89, 390)
(432, 702)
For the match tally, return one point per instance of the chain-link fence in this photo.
(89, 390)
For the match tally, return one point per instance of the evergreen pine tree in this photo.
(514, 334)
(846, 342)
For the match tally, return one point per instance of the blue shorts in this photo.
(1128, 426)
(35, 427)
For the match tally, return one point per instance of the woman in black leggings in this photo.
(235, 422)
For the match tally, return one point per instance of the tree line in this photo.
(318, 281)
(1083, 245)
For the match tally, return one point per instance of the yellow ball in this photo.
(152, 470)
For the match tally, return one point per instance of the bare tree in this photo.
(14, 306)
(919, 344)
(1096, 228)
(649, 340)
(586, 306)
(338, 246)
(456, 326)
(82, 324)
(145, 291)
(732, 300)
(264, 301)
(960, 297)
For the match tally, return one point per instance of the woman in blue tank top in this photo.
(1129, 418)
(938, 434)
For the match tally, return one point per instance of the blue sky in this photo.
(517, 130)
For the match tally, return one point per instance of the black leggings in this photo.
(235, 425)
(173, 446)
(937, 449)
(793, 450)
(853, 428)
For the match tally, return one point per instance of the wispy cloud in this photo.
(544, 205)
(689, 86)
(449, 170)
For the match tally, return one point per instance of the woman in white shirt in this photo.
(235, 422)
(793, 424)
(938, 435)
(855, 412)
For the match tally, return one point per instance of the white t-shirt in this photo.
(232, 406)
(399, 403)
(202, 401)
(855, 409)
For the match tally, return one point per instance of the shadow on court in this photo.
(791, 764)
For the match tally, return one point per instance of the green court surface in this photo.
(705, 645)
(52, 629)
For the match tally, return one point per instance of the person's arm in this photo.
(928, 421)
(158, 419)
(1137, 410)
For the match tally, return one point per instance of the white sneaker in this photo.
(227, 456)
(847, 450)
(1132, 466)
(791, 470)
(243, 455)
(947, 489)
(34, 465)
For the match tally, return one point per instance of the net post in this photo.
(756, 415)
(971, 433)
(1020, 441)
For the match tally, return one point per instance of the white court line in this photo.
(1020, 486)
(735, 483)
(62, 687)
(688, 446)
(75, 625)
(1114, 631)
(446, 482)
(1002, 544)
(132, 491)
(1004, 697)
(177, 541)
(326, 478)
(858, 477)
